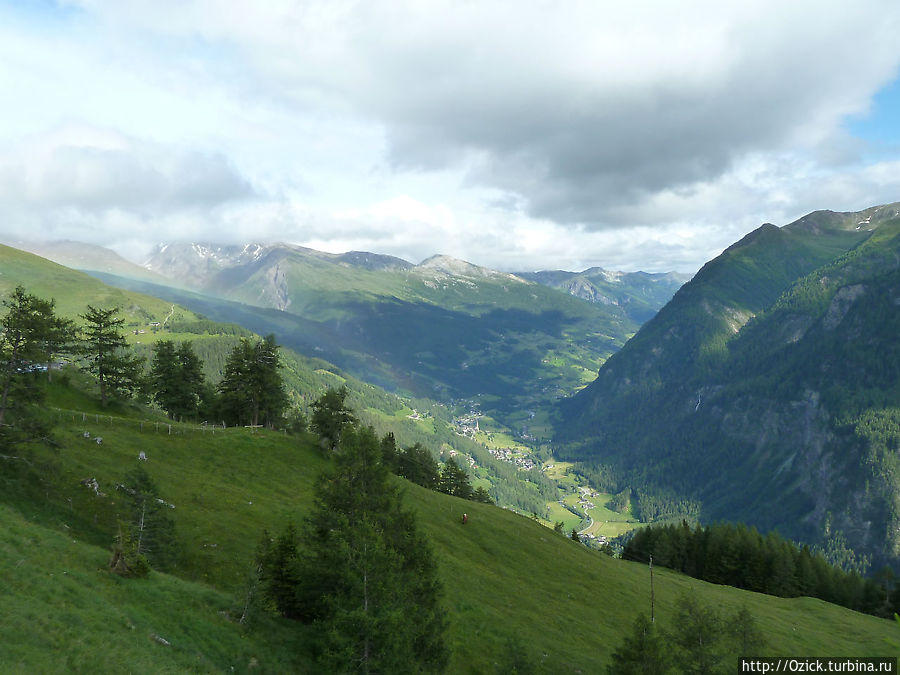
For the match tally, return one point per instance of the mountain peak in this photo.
(455, 267)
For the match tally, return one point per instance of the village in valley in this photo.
(579, 507)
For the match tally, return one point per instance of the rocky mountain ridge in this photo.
(763, 387)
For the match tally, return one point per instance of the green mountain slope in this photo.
(445, 328)
(639, 294)
(746, 391)
(80, 256)
(306, 378)
(73, 290)
(507, 579)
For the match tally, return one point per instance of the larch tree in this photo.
(416, 464)
(30, 332)
(148, 526)
(361, 571)
(643, 652)
(252, 389)
(454, 480)
(331, 415)
(176, 377)
(106, 354)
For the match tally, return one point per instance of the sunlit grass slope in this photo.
(73, 290)
(63, 612)
(508, 580)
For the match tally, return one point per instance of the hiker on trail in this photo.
(465, 518)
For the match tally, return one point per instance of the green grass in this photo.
(404, 415)
(63, 612)
(606, 522)
(506, 576)
(73, 290)
(558, 513)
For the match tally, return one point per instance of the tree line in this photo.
(33, 338)
(739, 556)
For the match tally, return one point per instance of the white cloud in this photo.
(647, 134)
(86, 169)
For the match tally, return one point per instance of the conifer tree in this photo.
(105, 351)
(331, 416)
(697, 637)
(164, 375)
(416, 464)
(747, 635)
(482, 495)
(643, 652)
(176, 375)
(366, 577)
(30, 333)
(279, 576)
(390, 454)
(252, 389)
(149, 528)
(454, 480)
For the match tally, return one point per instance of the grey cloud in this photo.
(143, 179)
(577, 110)
(574, 144)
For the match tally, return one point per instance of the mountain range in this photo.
(766, 391)
(445, 328)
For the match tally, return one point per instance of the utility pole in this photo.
(652, 617)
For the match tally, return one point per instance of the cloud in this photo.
(86, 169)
(577, 110)
(587, 133)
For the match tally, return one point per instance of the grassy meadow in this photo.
(511, 585)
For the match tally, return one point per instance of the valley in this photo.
(482, 338)
(745, 396)
(495, 373)
(474, 341)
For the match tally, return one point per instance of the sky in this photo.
(518, 135)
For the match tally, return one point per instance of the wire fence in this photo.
(100, 421)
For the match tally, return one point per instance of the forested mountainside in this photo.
(445, 328)
(767, 390)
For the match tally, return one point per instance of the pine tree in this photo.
(149, 528)
(416, 464)
(176, 376)
(192, 378)
(454, 480)
(164, 375)
(747, 635)
(390, 454)
(30, 333)
(643, 652)
(104, 350)
(482, 495)
(252, 389)
(331, 416)
(367, 578)
(279, 575)
(697, 637)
